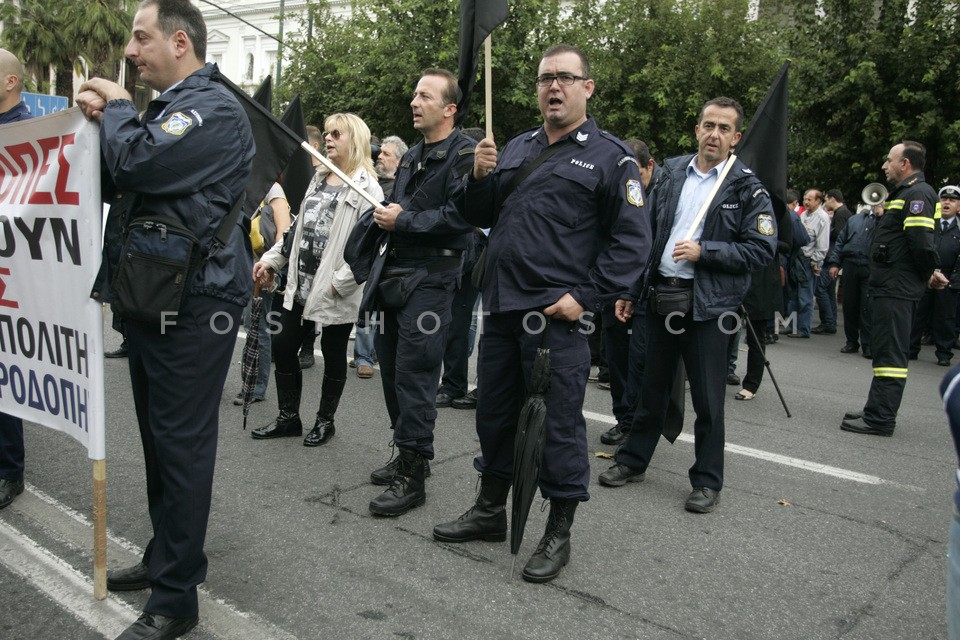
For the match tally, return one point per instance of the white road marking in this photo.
(799, 463)
(67, 525)
(62, 583)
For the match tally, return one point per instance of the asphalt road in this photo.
(820, 534)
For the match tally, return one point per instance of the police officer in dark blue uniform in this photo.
(700, 274)
(569, 237)
(12, 109)
(416, 288)
(189, 159)
(903, 258)
(937, 310)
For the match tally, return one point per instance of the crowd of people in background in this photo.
(651, 258)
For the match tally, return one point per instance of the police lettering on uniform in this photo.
(903, 257)
(699, 273)
(417, 285)
(572, 234)
(189, 158)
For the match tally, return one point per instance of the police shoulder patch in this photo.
(177, 124)
(635, 193)
(765, 224)
(916, 206)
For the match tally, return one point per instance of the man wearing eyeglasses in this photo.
(416, 289)
(570, 236)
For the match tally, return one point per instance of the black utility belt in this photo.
(415, 253)
(434, 266)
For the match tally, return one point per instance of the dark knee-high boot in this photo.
(323, 428)
(485, 520)
(287, 423)
(553, 552)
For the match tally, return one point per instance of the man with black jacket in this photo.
(937, 309)
(903, 263)
(177, 369)
(568, 236)
(851, 252)
(417, 286)
(700, 273)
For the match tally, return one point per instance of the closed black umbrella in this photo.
(250, 362)
(528, 444)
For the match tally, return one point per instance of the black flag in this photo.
(264, 93)
(299, 171)
(478, 18)
(275, 144)
(764, 145)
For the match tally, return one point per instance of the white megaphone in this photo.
(874, 193)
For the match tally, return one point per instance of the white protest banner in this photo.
(51, 340)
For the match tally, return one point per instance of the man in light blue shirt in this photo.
(809, 263)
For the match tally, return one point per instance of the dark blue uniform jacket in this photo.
(739, 236)
(578, 224)
(423, 182)
(190, 160)
(853, 243)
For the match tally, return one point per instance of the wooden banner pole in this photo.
(100, 529)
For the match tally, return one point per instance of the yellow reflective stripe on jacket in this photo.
(889, 372)
(938, 213)
(918, 221)
(894, 204)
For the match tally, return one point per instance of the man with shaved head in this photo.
(12, 109)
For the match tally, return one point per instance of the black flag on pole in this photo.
(478, 18)
(764, 145)
(264, 93)
(296, 178)
(275, 144)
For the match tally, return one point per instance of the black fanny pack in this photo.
(160, 258)
(667, 299)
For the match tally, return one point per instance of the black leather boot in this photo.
(485, 520)
(289, 386)
(553, 552)
(323, 428)
(406, 490)
(384, 475)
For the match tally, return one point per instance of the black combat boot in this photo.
(406, 490)
(323, 428)
(486, 520)
(384, 475)
(289, 386)
(553, 552)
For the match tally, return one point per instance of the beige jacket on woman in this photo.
(321, 305)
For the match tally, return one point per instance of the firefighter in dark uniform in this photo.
(903, 263)
(416, 289)
(12, 109)
(189, 158)
(938, 307)
(571, 236)
(700, 273)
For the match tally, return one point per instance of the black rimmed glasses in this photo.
(335, 134)
(563, 79)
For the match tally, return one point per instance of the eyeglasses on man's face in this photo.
(563, 79)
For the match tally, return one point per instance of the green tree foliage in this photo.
(867, 74)
(57, 34)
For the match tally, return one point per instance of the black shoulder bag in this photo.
(476, 276)
(160, 257)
